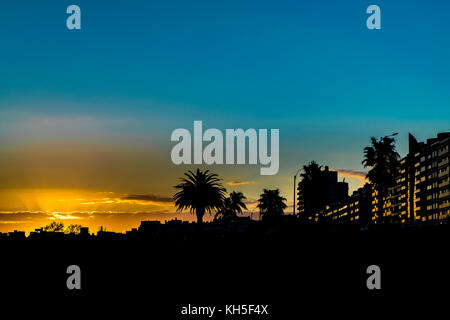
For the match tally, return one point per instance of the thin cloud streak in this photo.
(360, 175)
(239, 183)
(147, 197)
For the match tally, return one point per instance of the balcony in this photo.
(444, 183)
(443, 162)
(444, 194)
(444, 205)
(443, 173)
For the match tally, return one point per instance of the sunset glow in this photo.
(86, 115)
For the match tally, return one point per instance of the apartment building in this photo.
(421, 193)
(329, 189)
(431, 179)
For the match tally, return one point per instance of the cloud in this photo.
(360, 175)
(250, 201)
(239, 183)
(22, 216)
(147, 199)
(138, 199)
(64, 216)
(100, 201)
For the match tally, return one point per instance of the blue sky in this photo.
(284, 59)
(139, 69)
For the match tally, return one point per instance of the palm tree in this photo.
(232, 206)
(311, 189)
(200, 192)
(271, 204)
(383, 160)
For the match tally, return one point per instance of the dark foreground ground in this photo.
(307, 276)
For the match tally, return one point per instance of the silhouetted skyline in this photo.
(322, 198)
(86, 116)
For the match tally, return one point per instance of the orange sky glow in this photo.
(110, 184)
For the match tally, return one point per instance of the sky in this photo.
(86, 115)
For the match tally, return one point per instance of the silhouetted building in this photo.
(431, 183)
(149, 225)
(173, 222)
(421, 192)
(329, 191)
(396, 202)
(150, 228)
(103, 234)
(84, 231)
(17, 235)
(354, 209)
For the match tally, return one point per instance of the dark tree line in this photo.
(202, 191)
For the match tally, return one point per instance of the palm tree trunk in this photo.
(200, 212)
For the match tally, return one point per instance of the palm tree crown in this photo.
(201, 192)
(232, 206)
(271, 203)
(312, 189)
